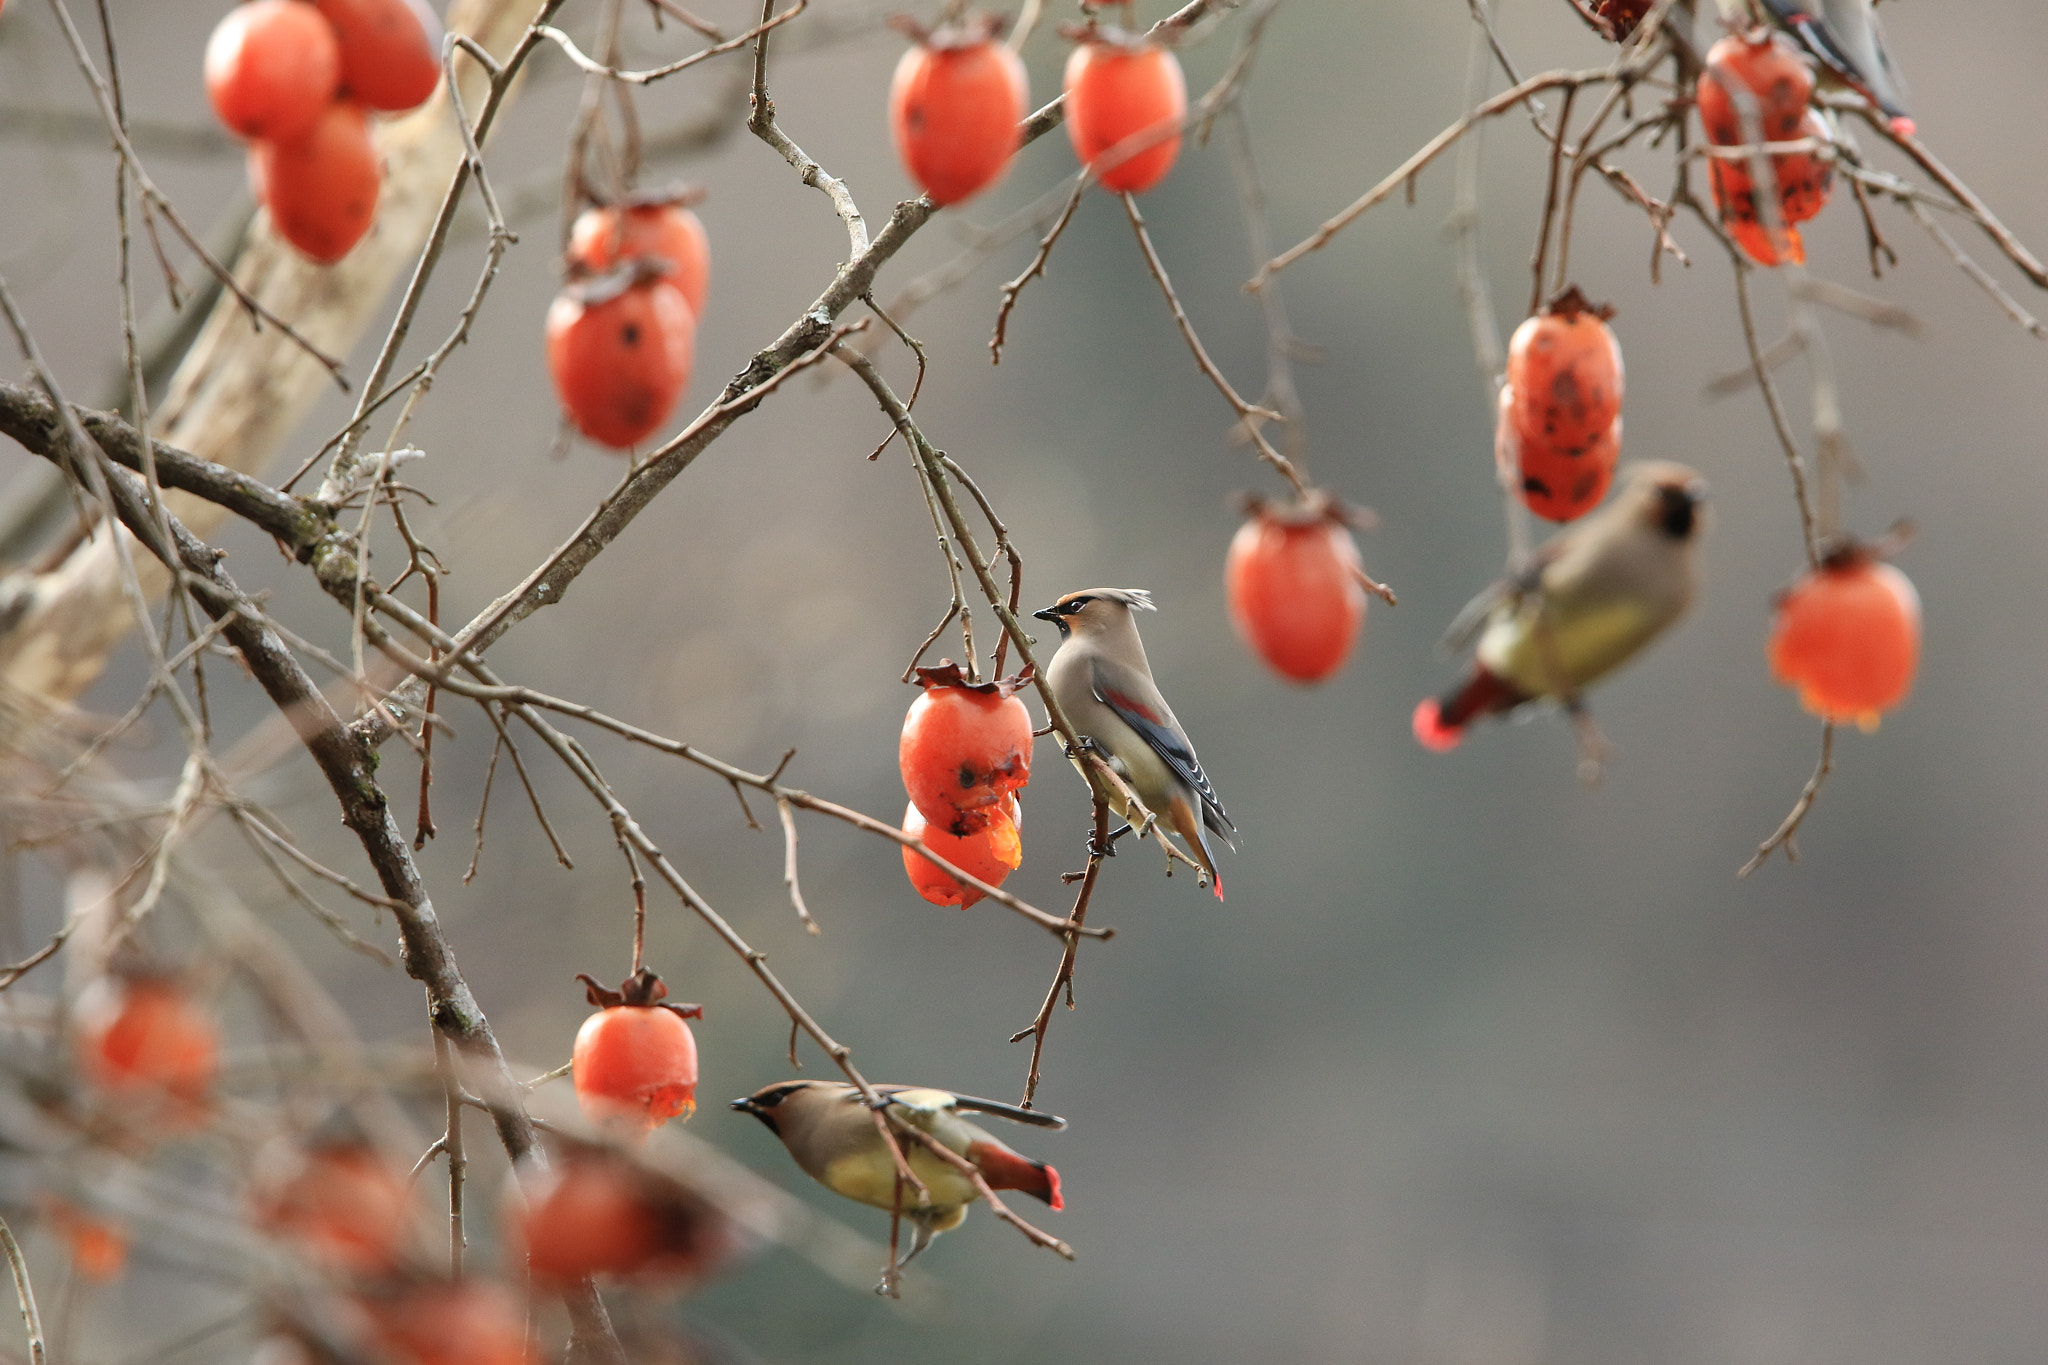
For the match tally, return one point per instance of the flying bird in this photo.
(830, 1131)
(1104, 685)
(1592, 597)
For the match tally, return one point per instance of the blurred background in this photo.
(1476, 1066)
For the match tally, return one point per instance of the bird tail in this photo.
(1007, 1170)
(1181, 812)
(1440, 721)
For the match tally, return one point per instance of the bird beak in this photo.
(746, 1106)
(1048, 614)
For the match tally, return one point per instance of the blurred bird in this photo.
(1105, 686)
(1845, 37)
(1592, 597)
(831, 1132)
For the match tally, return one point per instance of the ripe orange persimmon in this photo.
(965, 747)
(321, 187)
(465, 1322)
(1847, 636)
(991, 853)
(1557, 483)
(635, 1060)
(620, 349)
(1125, 102)
(337, 1200)
(956, 109)
(97, 1247)
(1292, 579)
(143, 1040)
(1765, 69)
(390, 51)
(661, 230)
(597, 1211)
(1564, 366)
(272, 67)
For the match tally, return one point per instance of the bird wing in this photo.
(1157, 727)
(1465, 626)
(1037, 1118)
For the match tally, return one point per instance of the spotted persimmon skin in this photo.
(1565, 373)
(1847, 637)
(1294, 592)
(956, 112)
(321, 187)
(1773, 75)
(962, 751)
(991, 853)
(604, 238)
(619, 365)
(1115, 92)
(1557, 482)
(341, 1204)
(271, 68)
(390, 51)
(635, 1068)
(145, 1043)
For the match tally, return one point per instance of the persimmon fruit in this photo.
(144, 1041)
(965, 747)
(321, 187)
(635, 1060)
(271, 68)
(991, 853)
(603, 238)
(1292, 581)
(339, 1202)
(1847, 637)
(620, 349)
(1765, 68)
(1125, 102)
(390, 51)
(956, 110)
(1564, 366)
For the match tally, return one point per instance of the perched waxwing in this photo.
(831, 1132)
(1105, 686)
(1592, 597)
(1845, 37)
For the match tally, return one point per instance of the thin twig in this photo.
(1782, 837)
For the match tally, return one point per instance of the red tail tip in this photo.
(1904, 126)
(1216, 885)
(1052, 1180)
(1430, 730)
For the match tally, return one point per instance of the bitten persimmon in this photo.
(1766, 69)
(965, 746)
(991, 853)
(390, 51)
(635, 1060)
(956, 109)
(462, 1322)
(272, 67)
(337, 1200)
(620, 349)
(1847, 636)
(1292, 579)
(602, 238)
(143, 1041)
(321, 187)
(1564, 366)
(1126, 98)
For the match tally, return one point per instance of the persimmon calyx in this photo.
(642, 990)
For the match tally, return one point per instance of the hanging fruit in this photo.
(337, 1200)
(596, 1211)
(990, 853)
(1125, 100)
(144, 1042)
(390, 51)
(1847, 636)
(635, 1060)
(957, 107)
(965, 747)
(321, 187)
(1292, 579)
(271, 67)
(619, 349)
(654, 228)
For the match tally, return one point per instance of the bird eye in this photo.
(1073, 608)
